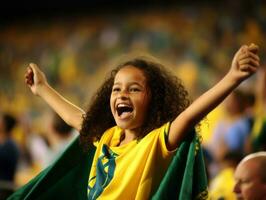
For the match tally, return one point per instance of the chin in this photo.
(125, 125)
(239, 198)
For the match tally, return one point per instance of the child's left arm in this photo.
(244, 64)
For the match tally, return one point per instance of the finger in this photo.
(249, 61)
(28, 70)
(29, 83)
(249, 54)
(254, 56)
(27, 76)
(253, 47)
(30, 75)
(244, 48)
(241, 51)
(248, 68)
(33, 67)
(29, 80)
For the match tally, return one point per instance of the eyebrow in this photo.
(130, 83)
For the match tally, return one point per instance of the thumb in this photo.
(253, 48)
(34, 68)
(242, 49)
(38, 75)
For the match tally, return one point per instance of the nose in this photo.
(123, 94)
(237, 188)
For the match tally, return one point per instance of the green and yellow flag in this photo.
(258, 134)
(67, 178)
(186, 177)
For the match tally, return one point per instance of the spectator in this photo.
(250, 177)
(60, 134)
(9, 155)
(219, 190)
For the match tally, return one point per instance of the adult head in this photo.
(250, 177)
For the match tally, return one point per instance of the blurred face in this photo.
(130, 98)
(231, 104)
(248, 181)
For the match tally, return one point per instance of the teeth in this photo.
(122, 105)
(122, 108)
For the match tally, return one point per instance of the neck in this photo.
(128, 136)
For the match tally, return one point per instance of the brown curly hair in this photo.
(168, 99)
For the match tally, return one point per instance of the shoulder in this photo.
(159, 136)
(162, 130)
(110, 136)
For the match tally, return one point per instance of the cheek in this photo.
(112, 104)
(144, 105)
(146, 98)
(147, 103)
(248, 191)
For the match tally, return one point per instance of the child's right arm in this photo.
(244, 64)
(39, 86)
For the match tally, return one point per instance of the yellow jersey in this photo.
(130, 171)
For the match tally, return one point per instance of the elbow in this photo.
(75, 122)
(187, 120)
(191, 120)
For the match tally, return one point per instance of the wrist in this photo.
(42, 89)
(233, 79)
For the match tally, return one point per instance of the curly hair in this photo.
(168, 99)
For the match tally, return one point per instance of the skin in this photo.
(249, 185)
(244, 64)
(70, 113)
(130, 89)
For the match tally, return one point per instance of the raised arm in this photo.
(244, 64)
(39, 86)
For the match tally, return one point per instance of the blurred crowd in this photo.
(75, 52)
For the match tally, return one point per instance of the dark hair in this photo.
(60, 126)
(9, 122)
(243, 99)
(168, 99)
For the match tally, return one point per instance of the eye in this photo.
(115, 89)
(134, 89)
(245, 181)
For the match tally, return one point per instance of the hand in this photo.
(245, 62)
(35, 78)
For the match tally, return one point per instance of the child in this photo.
(137, 119)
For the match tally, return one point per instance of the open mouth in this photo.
(123, 109)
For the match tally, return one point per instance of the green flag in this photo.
(258, 137)
(67, 178)
(186, 177)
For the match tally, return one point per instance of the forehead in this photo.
(130, 74)
(248, 169)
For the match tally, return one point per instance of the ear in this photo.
(263, 189)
